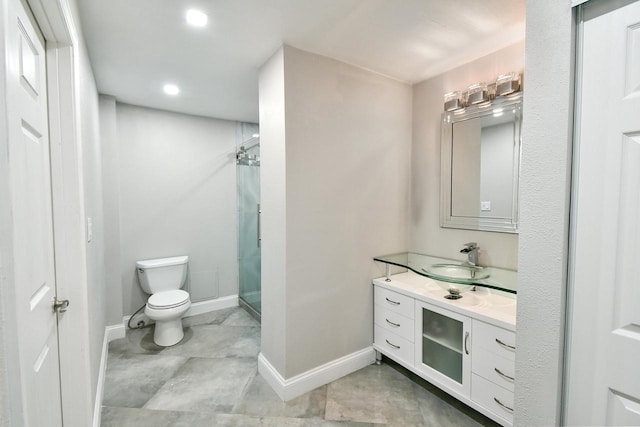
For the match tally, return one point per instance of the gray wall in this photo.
(345, 152)
(111, 199)
(544, 202)
(425, 234)
(273, 177)
(92, 181)
(177, 196)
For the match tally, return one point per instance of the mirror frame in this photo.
(447, 220)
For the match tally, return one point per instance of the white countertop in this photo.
(489, 305)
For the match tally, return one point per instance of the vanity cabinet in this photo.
(471, 359)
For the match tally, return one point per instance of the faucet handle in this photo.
(471, 246)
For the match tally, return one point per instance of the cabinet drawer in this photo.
(393, 345)
(496, 340)
(394, 322)
(394, 301)
(487, 365)
(493, 397)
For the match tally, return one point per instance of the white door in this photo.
(30, 186)
(603, 364)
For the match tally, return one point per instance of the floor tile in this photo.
(218, 341)
(131, 380)
(210, 318)
(259, 399)
(210, 379)
(374, 394)
(240, 318)
(205, 385)
(136, 341)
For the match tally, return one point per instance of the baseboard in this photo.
(111, 333)
(316, 377)
(199, 307)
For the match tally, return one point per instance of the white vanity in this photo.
(466, 346)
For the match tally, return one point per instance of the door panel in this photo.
(30, 184)
(602, 386)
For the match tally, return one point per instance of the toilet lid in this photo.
(168, 299)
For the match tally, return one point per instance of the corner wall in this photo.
(544, 203)
(345, 151)
(426, 235)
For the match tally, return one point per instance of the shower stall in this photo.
(248, 175)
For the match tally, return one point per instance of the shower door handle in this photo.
(259, 211)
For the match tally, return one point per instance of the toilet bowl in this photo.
(167, 309)
(163, 278)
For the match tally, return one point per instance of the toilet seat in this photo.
(168, 299)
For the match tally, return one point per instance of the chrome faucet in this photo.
(471, 249)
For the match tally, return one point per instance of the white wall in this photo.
(345, 152)
(426, 236)
(111, 198)
(544, 203)
(177, 196)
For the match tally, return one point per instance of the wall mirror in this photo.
(480, 166)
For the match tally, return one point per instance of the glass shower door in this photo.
(248, 173)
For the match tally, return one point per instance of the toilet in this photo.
(163, 278)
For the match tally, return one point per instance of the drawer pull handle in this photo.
(397, 325)
(397, 347)
(502, 374)
(510, 347)
(392, 302)
(466, 338)
(503, 405)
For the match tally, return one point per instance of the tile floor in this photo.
(211, 379)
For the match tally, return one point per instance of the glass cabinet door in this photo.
(443, 346)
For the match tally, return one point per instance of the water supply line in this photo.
(141, 323)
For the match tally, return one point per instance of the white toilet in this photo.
(163, 278)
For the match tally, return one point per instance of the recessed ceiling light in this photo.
(196, 18)
(170, 89)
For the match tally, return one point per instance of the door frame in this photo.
(56, 21)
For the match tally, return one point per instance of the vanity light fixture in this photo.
(508, 83)
(171, 89)
(196, 18)
(478, 93)
(482, 94)
(452, 101)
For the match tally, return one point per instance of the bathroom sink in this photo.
(457, 273)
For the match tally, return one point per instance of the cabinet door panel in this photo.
(442, 347)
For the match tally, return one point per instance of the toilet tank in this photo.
(163, 274)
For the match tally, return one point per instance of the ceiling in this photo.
(137, 46)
